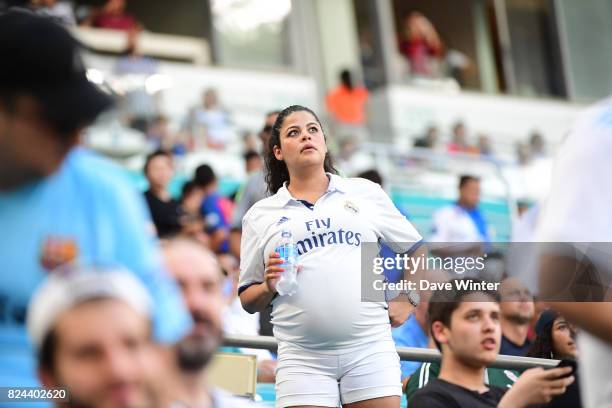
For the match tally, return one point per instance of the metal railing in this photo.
(405, 353)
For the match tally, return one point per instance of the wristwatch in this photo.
(413, 297)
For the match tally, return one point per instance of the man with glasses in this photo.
(517, 309)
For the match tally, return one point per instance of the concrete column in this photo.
(339, 41)
(484, 50)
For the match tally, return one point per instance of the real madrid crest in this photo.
(350, 206)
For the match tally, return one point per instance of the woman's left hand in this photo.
(399, 310)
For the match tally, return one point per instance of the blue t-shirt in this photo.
(410, 334)
(508, 348)
(216, 216)
(86, 211)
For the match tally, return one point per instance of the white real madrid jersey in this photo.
(327, 312)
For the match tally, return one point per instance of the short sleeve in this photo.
(391, 225)
(252, 263)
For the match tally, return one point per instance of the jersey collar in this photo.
(336, 184)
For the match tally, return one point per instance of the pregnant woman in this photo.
(333, 347)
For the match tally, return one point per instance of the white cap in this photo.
(62, 291)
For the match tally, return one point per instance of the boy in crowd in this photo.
(465, 325)
(165, 210)
(216, 210)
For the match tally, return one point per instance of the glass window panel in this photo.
(252, 33)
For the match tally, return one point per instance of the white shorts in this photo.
(305, 377)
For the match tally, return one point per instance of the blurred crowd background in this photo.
(482, 87)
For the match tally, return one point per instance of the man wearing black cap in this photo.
(58, 202)
(45, 97)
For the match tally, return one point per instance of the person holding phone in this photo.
(333, 347)
(556, 339)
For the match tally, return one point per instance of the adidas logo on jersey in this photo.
(283, 219)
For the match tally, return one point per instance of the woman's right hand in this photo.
(273, 271)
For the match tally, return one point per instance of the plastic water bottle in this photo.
(287, 283)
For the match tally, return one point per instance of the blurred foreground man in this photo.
(58, 202)
(575, 277)
(199, 275)
(92, 333)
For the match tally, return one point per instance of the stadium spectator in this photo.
(496, 377)
(462, 221)
(113, 16)
(347, 106)
(466, 329)
(92, 333)
(429, 140)
(211, 122)
(420, 44)
(252, 162)
(484, 146)
(159, 136)
(556, 339)
(537, 146)
(191, 198)
(61, 203)
(523, 154)
(351, 160)
(250, 141)
(165, 210)
(517, 309)
(215, 209)
(458, 143)
(199, 275)
(192, 222)
(60, 11)
(326, 318)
